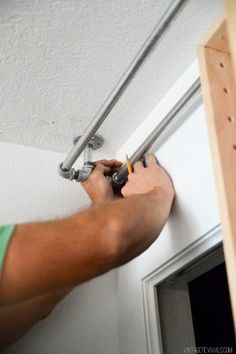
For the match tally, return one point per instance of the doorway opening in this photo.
(195, 310)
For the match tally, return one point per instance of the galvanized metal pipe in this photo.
(120, 176)
(101, 115)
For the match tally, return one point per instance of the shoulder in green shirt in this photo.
(5, 235)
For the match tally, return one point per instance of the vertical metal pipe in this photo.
(129, 74)
(88, 154)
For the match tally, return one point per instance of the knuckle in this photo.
(130, 177)
(94, 175)
(157, 168)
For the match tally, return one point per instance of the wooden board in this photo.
(231, 29)
(219, 92)
(216, 38)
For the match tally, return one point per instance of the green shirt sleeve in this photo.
(5, 234)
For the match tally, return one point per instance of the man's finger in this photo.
(151, 160)
(116, 163)
(137, 166)
(123, 191)
(109, 163)
(102, 168)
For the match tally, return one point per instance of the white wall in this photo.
(186, 156)
(31, 189)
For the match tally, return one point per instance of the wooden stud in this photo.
(217, 38)
(231, 29)
(219, 92)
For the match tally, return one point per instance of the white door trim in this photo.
(195, 250)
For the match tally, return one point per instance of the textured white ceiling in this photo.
(59, 59)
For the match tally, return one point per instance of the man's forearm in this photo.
(58, 254)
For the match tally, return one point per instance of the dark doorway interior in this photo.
(211, 310)
(194, 308)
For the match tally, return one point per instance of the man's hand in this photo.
(145, 179)
(97, 186)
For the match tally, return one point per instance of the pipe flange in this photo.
(96, 142)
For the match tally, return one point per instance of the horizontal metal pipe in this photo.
(122, 174)
(129, 74)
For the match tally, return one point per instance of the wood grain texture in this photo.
(231, 29)
(219, 91)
